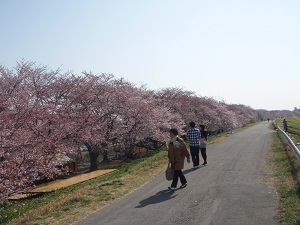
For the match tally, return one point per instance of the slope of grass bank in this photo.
(293, 128)
(284, 175)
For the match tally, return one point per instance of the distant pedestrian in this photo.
(193, 135)
(177, 152)
(285, 125)
(268, 119)
(203, 143)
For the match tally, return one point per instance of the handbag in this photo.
(169, 172)
(203, 143)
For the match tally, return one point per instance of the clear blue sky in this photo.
(245, 52)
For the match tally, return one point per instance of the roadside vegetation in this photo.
(284, 170)
(293, 128)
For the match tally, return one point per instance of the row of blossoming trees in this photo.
(45, 113)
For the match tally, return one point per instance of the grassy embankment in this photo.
(293, 128)
(284, 173)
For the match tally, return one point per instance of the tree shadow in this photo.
(157, 198)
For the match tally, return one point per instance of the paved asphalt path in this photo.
(229, 190)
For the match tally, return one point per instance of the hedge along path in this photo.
(55, 185)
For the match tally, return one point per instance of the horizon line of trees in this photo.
(45, 113)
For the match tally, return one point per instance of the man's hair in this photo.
(174, 131)
(192, 124)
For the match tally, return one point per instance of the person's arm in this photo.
(186, 152)
(205, 135)
(188, 158)
(187, 155)
(169, 156)
(188, 135)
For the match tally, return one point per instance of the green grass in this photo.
(293, 127)
(294, 124)
(285, 170)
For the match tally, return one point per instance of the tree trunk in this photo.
(93, 159)
(105, 157)
(93, 153)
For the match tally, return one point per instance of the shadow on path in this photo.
(192, 170)
(157, 198)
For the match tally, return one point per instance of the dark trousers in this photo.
(203, 153)
(195, 154)
(178, 173)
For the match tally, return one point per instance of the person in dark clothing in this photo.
(203, 143)
(285, 125)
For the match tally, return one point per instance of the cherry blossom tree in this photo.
(110, 111)
(46, 114)
(31, 133)
(204, 110)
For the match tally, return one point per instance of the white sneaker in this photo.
(172, 188)
(183, 186)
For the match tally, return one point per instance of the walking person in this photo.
(193, 135)
(203, 143)
(285, 125)
(177, 152)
